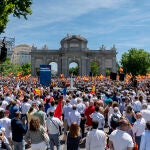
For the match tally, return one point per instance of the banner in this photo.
(45, 75)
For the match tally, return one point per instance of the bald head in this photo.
(138, 115)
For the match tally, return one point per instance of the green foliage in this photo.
(74, 70)
(17, 8)
(107, 72)
(136, 61)
(7, 68)
(95, 68)
(26, 69)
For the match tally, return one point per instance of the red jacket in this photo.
(89, 110)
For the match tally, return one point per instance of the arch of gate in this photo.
(54, 68)
(73, 68)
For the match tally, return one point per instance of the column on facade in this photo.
(102, 64)
(114, 67)
(84, 66)
(65, 66)
(44, 60)
(80, 66)
(59, 66)
(88, 65)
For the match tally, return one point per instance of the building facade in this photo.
(74, 49)
(21, 54)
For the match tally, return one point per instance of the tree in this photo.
(17, 8)
(26, 69)
(7, 68)
(74, 70)
(107, 72)
(94, 68)
(136, 61)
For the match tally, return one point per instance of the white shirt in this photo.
(53, 129)
(25, 107)
(121, 140)
(95, 140)
(145, 141)
(52, 108)
(66, 109)
(137, 106)
(139, 127)
(81, 107)
(98, 117)
(6, 123)
(74, 116)
(73, 101)
(4, 104)
(146, 114)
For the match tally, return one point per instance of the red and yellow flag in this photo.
(37, 91)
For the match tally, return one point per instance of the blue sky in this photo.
(125, 23)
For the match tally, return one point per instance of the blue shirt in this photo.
(46, 106)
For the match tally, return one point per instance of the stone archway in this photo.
(54, 68)
(73, 69)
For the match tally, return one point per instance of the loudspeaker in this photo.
(90, 74)
(113, 76)
(121, 76)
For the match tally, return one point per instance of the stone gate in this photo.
(74, 49)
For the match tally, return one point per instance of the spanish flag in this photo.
(93, 89)
(121, 69)
(37, 91)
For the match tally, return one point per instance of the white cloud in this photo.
(49, 11)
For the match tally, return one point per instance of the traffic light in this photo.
(3, 53)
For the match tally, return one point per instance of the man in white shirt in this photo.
(74, 116)
(4, 103)
(119, 139)
(52, 107)
(73, 100)
(137, 106)
(25, 106)
(52, 125)
(138, 128)
(95, 139)
(145, 140)
(96, 115)
(145, 112)
(67, 108)
(5, 122)
(81, 109)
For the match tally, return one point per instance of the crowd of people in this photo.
(115, 115)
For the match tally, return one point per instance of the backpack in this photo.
(114, 121)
